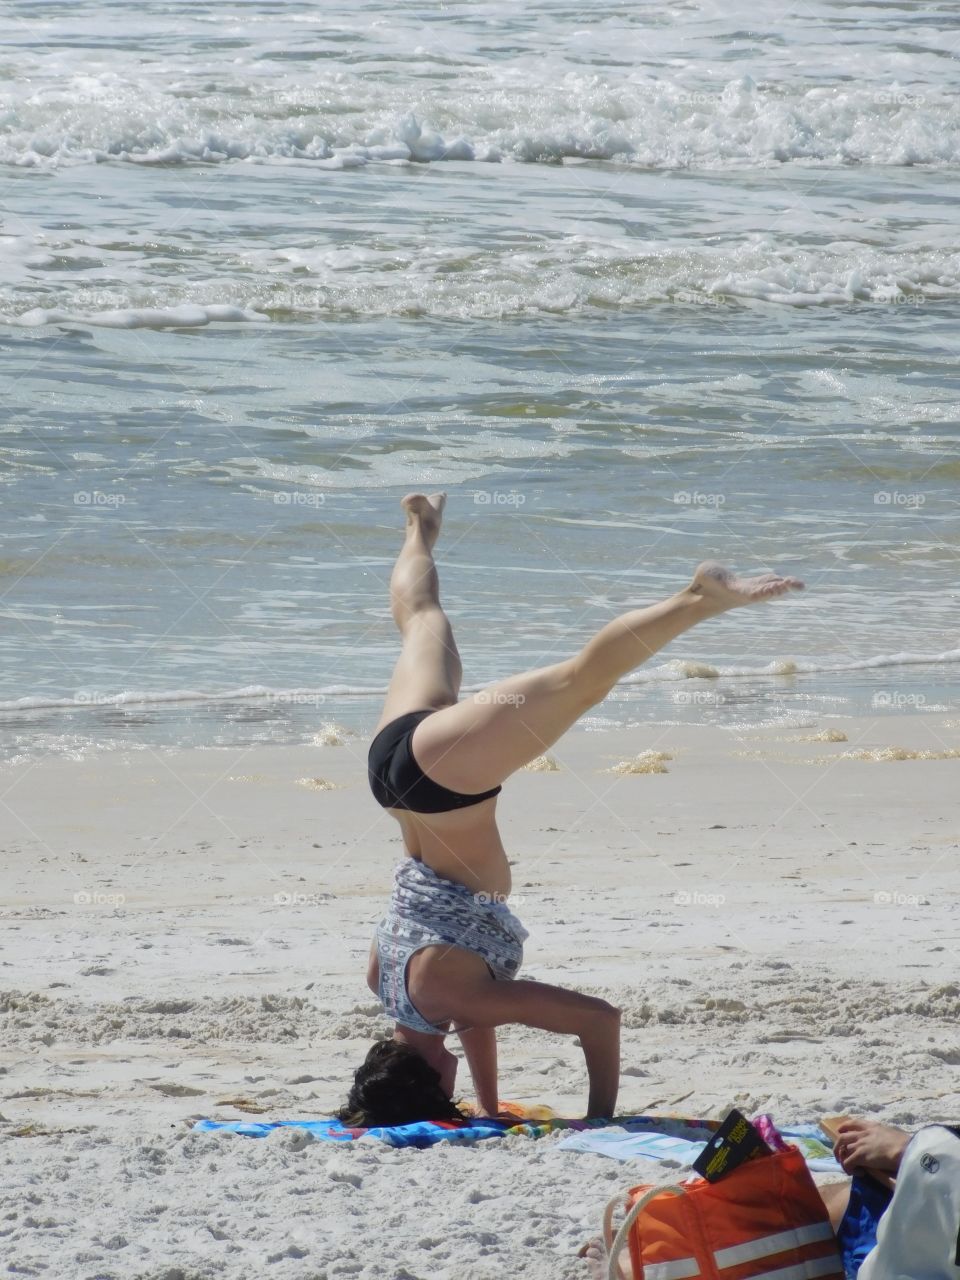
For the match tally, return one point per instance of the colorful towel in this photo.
(538, 1121)
(679, 1139)
(422, 1134)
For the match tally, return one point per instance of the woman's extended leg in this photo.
(428, 671)
(477, 743)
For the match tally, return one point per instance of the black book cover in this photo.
(734, 1142)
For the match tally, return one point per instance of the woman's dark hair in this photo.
(395, 1085)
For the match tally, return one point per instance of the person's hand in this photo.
(867, 1144)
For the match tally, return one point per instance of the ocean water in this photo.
(637, 284)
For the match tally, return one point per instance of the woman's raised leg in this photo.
(428, 671)
(476, 744)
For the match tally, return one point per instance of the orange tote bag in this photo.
(762, 1221)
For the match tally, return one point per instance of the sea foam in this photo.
(331, 733)
(652, 121)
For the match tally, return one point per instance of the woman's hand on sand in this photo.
(514, 1117)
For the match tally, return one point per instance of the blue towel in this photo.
(422, 1134)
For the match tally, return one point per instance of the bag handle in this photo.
(614, 1243)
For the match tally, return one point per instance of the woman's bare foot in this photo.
(595, 1256)
(425, 510)
(867, 1144)
(724, 590)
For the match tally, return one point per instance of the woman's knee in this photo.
(413, 612)
(424, 622)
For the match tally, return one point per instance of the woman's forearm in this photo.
(480, 1050)
(539, 1004)
(601, 1049)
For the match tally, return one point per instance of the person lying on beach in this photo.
(912, 1233)
(915, 1233)
(446, 955)
(896, 1202)
(863, 1146)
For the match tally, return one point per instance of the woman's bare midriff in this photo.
(462, 845)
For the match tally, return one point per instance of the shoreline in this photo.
(691, 695)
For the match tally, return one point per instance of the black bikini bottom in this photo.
(398, 782)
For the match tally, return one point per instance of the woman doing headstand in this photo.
(446, 955)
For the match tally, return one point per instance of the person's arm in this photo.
(480, 1051)
(538, 1004)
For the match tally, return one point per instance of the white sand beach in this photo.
(184, 935)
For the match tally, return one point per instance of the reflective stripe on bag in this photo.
(811, 1270)
(682, 1269)
(768, 1246)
